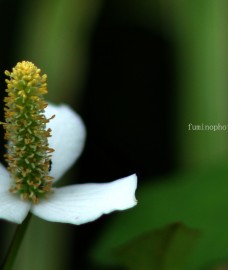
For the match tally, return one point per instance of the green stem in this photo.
(15, 245)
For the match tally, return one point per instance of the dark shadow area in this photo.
(129, 107)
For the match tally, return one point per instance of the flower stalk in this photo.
(18, 237)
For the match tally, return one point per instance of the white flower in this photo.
(76, 204)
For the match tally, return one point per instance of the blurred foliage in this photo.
(162, 249)
(56, 37)
(199, 31)
(196, 198)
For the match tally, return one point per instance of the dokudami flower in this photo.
(43, 142)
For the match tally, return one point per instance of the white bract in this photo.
(75, 204)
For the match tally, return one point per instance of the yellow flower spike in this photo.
(28, 153)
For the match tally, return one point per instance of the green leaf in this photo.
(162, 249)
(218, 266)
(197, 198)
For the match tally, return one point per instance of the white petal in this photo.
(12, 208)
(83, 203)
(68, 137)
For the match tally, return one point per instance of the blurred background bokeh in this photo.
(138, 72)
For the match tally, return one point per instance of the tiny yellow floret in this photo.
(28, 154)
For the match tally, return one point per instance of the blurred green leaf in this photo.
(55, 35)
(220, 266)
(196, 198)
(161, 249)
